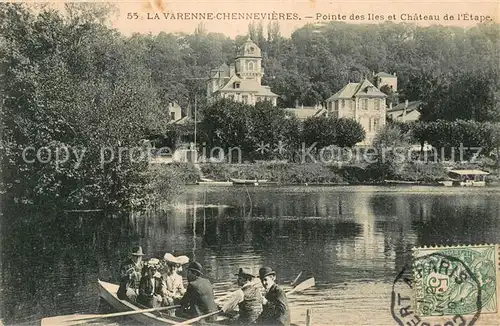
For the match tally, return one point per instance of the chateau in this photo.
(241, 81)
(363, 102)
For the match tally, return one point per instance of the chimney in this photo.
(406, 107)
(394, 74)
(390, 106)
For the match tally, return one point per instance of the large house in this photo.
(362, 102)
(241, 81)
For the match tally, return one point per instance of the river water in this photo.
(354, 240)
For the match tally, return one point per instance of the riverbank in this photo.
(324, 174)
(304, 174)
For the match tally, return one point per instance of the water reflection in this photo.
(347, 238)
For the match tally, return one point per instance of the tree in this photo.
(327, 131)
(349, 132)
(391, 152)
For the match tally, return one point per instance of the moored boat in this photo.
(107, 291)
(247, 181)
(215, 183)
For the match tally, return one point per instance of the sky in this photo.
(158, 15)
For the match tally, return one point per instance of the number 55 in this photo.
(132, 15)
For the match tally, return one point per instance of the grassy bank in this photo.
(294, 173)
(167, 179)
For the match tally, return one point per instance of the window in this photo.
(172, 115)
(250, 66)
(370, 124)
(342, 103)
(231, 97)
(376, 123)
(377, 104)
(236, 85)
(364, 104)
(245, 99)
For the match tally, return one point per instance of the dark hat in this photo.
(195, 266)
(245, 271)
(264, 271)
(137, 251)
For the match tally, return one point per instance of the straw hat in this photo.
(153, 262)
(169, 258)
(183, 260)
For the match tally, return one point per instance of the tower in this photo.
(248, 63)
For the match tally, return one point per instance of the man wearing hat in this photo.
(248, 298)
(275, 304)
(199, 297)
(130, 275)
(174, 288)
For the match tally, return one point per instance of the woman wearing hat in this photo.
(151, 285)
(130, 275)
(248, 298)
(275, 304)
(174, 288)
(199, 297)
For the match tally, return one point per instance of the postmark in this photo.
(447, 286)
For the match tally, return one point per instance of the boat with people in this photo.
(107, 291)
(157, 293)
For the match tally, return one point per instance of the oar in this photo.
(80, 318)
(194, 320)
(296, 279)
(302, 286)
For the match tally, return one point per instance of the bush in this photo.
(284, 173)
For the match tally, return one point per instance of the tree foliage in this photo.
(70, 84)
(327, 131)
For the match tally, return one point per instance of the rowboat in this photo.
(247, 181)
(214, 183)
(107, 291)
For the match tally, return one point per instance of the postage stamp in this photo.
(456, 281)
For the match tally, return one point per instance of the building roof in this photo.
(368, 89)
(306, 112)
(249, 49)
(266, 91)
(351, 90)
(384, 74)
(469, 172)
(412, 105)
(248, 86)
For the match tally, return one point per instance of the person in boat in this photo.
(275, 304)
(174, 288)
(248, 298)
(130, 275)
(199, 297)
(151, 285)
